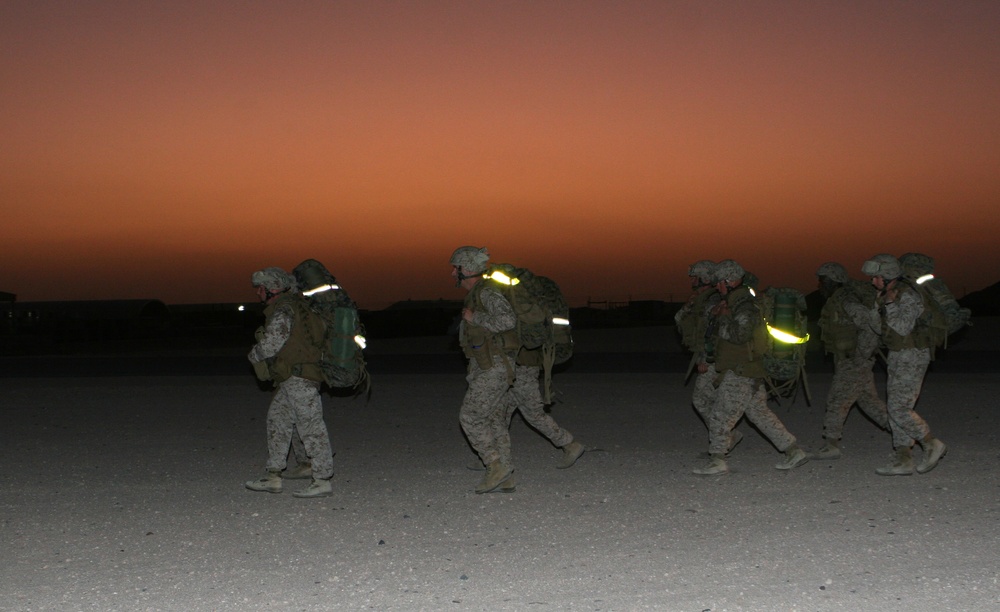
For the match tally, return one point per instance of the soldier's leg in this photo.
(311, 426)
(764, 419)
(526, 396)
(906, 374)
(869, 400)
(298, 451)
(727, 410)
(280, 424)
(843, 392)
(703, 396)
(483, 412)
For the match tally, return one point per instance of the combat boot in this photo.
(716, 465)
(319, 487)
(507, 486)
(902, 464)
(299, 472)
(829, 450)
(934, 450)
(496, 473)
(794, 457)
(476, 465)
(571, 452)
(271, 483)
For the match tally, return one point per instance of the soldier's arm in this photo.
(863, 317)
(276, 333)
(737, 326)
(496, 315)
(901, 314)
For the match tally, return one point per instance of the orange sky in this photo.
(168, 149)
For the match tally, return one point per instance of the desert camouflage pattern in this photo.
(728, 270)
(738, 396)
(916, 264)
(703, 270)
(483, 414)
(472, 258)
(853, 383)
(692, 319)
(274, 279)
(906, 368)
(704, 394)
(854, 375)
(526, 396)
(295, 406)
(277, 331)
(884, 265)
(834, 271)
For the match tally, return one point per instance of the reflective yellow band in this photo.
(787, 338)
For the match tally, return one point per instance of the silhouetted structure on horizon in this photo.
(144, 324)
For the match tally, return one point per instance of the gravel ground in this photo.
(127, 494)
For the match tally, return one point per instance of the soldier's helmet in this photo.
(728, 270)
(703, 270)
(473, 259)
(272, 279)
(916, 264)
(883, 265)
(833, 271)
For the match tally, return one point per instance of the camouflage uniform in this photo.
(853, 369)
(741, 389)
(296, 404)
(483, 413)
(906, 368)
(692, 320)
(526, 395)
(900, 307)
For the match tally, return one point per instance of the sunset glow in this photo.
(168, 149)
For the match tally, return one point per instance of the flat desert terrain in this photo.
(126, 493)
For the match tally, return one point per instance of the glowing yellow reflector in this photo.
(787, 338)
(560, 321)
(360, 341)
(320, 289)
(923, 279)
(500, 277)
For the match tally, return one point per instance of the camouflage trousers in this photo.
(703, 397)
(906, 376)
(737, 396)
(853, 382)
(483, 414)
(526, 396)
(297, 407)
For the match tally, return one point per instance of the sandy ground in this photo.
(127, 494)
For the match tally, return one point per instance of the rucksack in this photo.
(781, 342)
(543, 331)
(955, 316)
(342, 351)
(931, 328)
